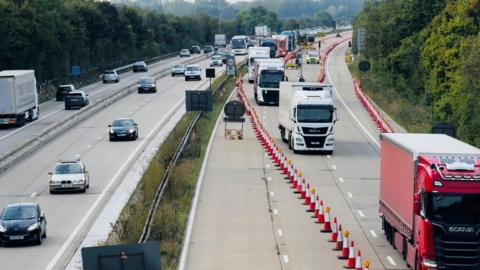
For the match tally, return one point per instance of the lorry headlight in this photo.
(429, 263)
(34, 226)
(331, 139)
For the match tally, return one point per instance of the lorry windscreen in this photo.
(314, 113)
(460, 208)
(238, 44)
(271, 78)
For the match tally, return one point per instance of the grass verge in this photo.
(172, 214)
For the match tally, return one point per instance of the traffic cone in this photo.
(366, 265)
(334, 235)
(300, 187)
(282, 162)
(345, 247)
(317, 207)
(351, 257)
(320, 216)
(339, 240)
(358, 261)
(289, 169)
(308, 196)
(303, 193)
(327, 228)
(285, 166)
(296, 179)
(292, 175)
(313, 201)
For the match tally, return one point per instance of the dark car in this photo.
(207, 49)
(63, 90)
(76, 99)
(195, 49)
(123, 128)
(147, 84)
(140, 66)
(22, 223)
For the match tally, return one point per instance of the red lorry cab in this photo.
(430, 200)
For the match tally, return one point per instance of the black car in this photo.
(207, 49)
(123, 128)
(76, 99)
(147, 84)
(22, 223)
(195, 49)
(63, 90)
(140, 66)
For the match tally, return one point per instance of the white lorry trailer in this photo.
(262, 31)
(307, 116)
(268, 75)
(18, 97)
(255, 53)
(221, 40)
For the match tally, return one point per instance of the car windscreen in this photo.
(122, 123)
(68, 169)
(147, 81)
(184, 51)
(64, 89)
(315, 113)
(193, 68)
(19, 212)
(178, 66)
(75, 95)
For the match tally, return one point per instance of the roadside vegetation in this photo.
(425, 57)
(172, 214)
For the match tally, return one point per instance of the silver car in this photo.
(178, 69)
(69, 175)
(193, 72)
(216, 61)
(110, 76)
(184, 53)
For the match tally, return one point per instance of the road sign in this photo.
(75, 71)
(198, 101)
(364, 66)
(361, 35)
(210, 73)
(234, 110)
(231, 69)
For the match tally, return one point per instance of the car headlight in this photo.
(2, 229)
(54, 182)
(34, 226)
(79, 181)
(131, 130)
(111, 131)
(152, 85)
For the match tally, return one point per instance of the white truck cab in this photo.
(307, 116)
(268, 75)
(255, 53)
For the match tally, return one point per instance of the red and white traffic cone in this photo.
(366, 265)
(303, 193)
(345, 248)
(334, 235)
(339, 240)
(358, 261)
(296, 179)
(327, 228)
(289, 169)
(321, 215)
(313, 201)
(300, 186)
(285, 166)
(317, 207)
(351, 257)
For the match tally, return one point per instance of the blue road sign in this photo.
(75, 71)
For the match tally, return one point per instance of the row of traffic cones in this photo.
(323, 58)
(308, 194)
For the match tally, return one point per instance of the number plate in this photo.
(121, 135)
(16, 237)
(66, 185)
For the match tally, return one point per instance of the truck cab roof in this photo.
(14, 73)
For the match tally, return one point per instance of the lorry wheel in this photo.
(290, 142)
(282, 135)
(20, 120)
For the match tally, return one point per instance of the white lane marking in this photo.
(373, 233)
(360, 213)
(328, 156)
(33, 194)
(89, 146)
(269, 178)
(280, 233)
(106, 190)
(268, 165)
(27, 125)
(130, 113)
(272, 194)
(348, 108)
(285, 259)
(334, 167)
(275, 211)
(99, 138)
(77, 155)
(391, 261)
(341, 179)
(349, 194)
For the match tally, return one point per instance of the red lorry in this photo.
(430, 200)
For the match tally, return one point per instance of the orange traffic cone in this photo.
(339, 239)
(334, 235)
(351, 257)
(358, 261)
(345, 248)
(321, 216)
(327, 228)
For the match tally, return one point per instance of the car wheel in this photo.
(67, 108)
(52, 191)
(39, 240)
(44, 235)
(186, 79)
(110, 139)
(104, 81)
(84, 188)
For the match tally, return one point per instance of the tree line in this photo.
(428, 52)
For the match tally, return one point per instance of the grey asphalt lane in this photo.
(70, 215)
(52, 112)
(347, 181)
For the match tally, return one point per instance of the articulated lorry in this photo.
(254, 54)
(268, 75)
(221, 40)
(18, 97)
(430, 200)
(307, 117)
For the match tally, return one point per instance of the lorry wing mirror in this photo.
(416, 204)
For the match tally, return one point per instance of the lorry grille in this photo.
(309, 130)
(456, 252)
(314, 141)
(271, 96)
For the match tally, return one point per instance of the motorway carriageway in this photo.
(53, 112)
(248, 216)
(69, 216)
